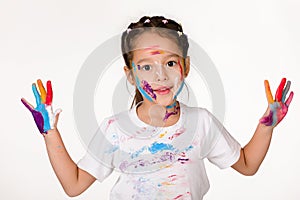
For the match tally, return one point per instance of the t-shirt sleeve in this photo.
(96, 161)
(225, 150)
(94, 167)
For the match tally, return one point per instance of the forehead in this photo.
(153, 41)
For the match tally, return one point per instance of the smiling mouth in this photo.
(162, 90)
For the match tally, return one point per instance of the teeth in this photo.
(163, 89)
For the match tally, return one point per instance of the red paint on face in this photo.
(180, 66)
(156, 52)
(151, 47)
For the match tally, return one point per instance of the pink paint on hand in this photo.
(279, 106)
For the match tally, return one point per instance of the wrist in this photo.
(51, 133)
(265, 128)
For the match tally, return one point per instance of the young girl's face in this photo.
(158, 68)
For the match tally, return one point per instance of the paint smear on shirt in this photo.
(138, 152)
(109, 123)
(177, 133)
(157, 147)
(167, 157)
(163, 134)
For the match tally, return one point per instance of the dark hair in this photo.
(166, 27)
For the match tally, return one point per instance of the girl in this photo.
(159, 144)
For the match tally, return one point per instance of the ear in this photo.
(129, 75)
(187, 66)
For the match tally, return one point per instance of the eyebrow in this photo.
(165, 58)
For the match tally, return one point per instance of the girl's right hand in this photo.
(43, 114)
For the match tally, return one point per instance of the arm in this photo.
(73, 180)
(254, 152)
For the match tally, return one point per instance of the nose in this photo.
(161, 74)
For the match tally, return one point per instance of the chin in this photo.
(164, 101)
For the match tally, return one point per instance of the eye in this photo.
(146, 67)
(171, 63)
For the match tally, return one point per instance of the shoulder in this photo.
(109, 123)
(190, 111)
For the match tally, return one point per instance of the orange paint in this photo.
(42, 91)
(268, 92)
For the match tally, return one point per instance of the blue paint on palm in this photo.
(42, 119)
(42, 109)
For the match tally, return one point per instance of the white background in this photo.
(248, 41)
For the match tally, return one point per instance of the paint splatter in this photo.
(183, 159)
(163, 134)
(138, 152)
(173, 177)
(148, 89)
(157, 147)
(42, 114)
(156, 52)
(166, 157)
(189, 148)
(152, 47)
(112, 149)
(182, 195)
(180, 67)
(138, 85)
(279, 105)
(144, 188)
(110, 121)
(177, 133)
(168, 114)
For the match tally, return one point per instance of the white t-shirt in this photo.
(160, 162)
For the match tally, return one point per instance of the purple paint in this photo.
(183, 160)
(26, 105)
(37, 116)
(39, 120)
(168, 114)
(166, 157)
(268, 120)
(148, 89)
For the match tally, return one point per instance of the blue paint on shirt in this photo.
(156, 147)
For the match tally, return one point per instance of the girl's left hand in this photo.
(278, 107)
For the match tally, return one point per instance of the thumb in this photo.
(56, 116)
(27, 104)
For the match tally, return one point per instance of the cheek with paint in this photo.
(181, 70)
(143, 86)
(178, 80)
(148, 89)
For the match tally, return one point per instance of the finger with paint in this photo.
(279, 106)
(43, 114)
